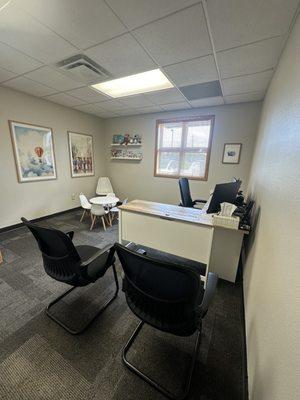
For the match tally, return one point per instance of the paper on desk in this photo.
(227, 209)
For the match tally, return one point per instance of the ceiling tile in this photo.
(126, 112)
(28, 86)
(5, 75)
(88, 94)
(64, 99)
(23, 32)
(251, 58)
(165, 96)
(210, 101)
(90, 108)
(52, 78)
(135, 13)
(112, 105)
(199, 70)
(176, 106)
(248, 83)
(241, 98)
(149, 109)
(238, 22)
(139, 100)
(178, 37)
(15, 61)
(83, 23)
(106, 114)
(121, 56)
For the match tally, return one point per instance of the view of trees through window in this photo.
(183, 147)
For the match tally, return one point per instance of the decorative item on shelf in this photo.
(126, 140)
(232, 153)
(119, 154)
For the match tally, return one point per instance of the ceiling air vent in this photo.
(83, 69)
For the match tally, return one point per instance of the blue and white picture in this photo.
(34, 153)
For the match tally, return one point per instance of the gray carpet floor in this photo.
(39, 360)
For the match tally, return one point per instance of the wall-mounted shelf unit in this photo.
(127, 158)
(126, 145)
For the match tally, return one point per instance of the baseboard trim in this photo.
(16, 226)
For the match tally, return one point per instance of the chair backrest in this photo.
(98, 209)
(60, 257)
(84, 201)
(159, 287)
(186, 199)
(104, 186)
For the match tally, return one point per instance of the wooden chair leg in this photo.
(103, 223)
(83, 214)
(93, 221)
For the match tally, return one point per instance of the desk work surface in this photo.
(169, 211)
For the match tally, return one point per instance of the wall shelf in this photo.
(126, 158)
(126, 145)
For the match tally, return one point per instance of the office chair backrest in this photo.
(60, 257)
(159, 287)
(186, 199)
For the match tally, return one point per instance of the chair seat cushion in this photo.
(97, 268)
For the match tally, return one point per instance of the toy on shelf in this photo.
(126, 140)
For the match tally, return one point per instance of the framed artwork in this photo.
(81, 154)
(232, 153)
(33, 151)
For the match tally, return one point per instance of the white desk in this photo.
(185, 232)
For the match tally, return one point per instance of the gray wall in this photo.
(272, 274)
(233, 123)
(36, 199)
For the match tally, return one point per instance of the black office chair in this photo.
(168, 297)
(185, 193)
(74, 265)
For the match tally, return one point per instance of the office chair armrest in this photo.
(98, 254)
(70, 234)
(200, 201)
(210, 288)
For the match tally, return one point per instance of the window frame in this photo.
(183, 149)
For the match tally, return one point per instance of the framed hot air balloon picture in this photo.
(33, 151)
(81, 154)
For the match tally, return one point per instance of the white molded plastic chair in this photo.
(115, 210)
(85, 204)
(104, 186)
(98, 211)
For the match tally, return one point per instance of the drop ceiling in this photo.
(235, 42)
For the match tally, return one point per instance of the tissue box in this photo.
(226, 222)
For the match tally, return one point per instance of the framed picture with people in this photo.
(81, 154)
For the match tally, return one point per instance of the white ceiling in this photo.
(237, 42)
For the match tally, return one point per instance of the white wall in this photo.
(233, 123)
(272, 273)
(36, 199)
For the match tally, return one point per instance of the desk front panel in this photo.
(183, 239)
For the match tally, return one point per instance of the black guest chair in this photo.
(168, 297)
(74, 265)
(185, 193)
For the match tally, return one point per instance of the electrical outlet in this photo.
(73, 196)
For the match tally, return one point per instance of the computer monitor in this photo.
(224, 192)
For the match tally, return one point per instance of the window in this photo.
(183, 147)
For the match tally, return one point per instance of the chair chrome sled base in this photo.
(146, 378)
(70, 330)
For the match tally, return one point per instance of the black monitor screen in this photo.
(224, 192)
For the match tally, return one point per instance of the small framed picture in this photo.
(81, 154)
(232, 153)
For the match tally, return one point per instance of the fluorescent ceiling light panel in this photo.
(134, 84)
